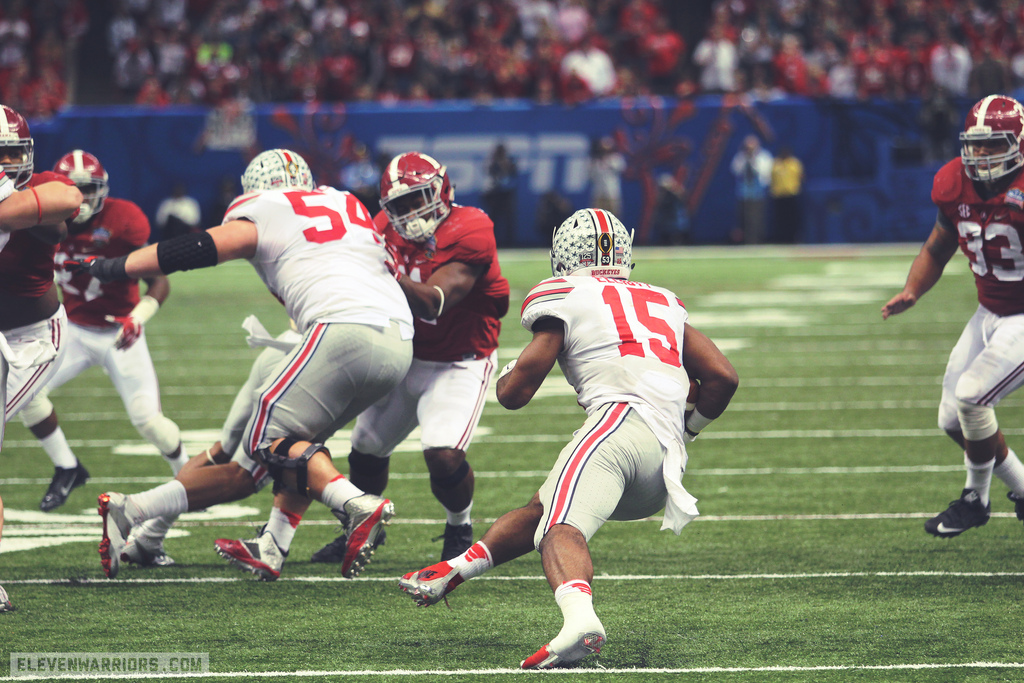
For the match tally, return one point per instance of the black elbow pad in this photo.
(186, 252)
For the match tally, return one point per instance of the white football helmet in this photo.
(592, 242)
(277, 169)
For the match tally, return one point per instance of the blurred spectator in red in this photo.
(49, 93)
(718, 59)
(663, 50)
(874, 71)
(790, 67)
(152, 94)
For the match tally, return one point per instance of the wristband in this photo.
(696, 423)
(440, 306)
(145, 309)
(108, 270)
(508, 368)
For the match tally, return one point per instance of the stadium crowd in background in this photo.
(204, 51)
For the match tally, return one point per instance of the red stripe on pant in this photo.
(563, 490)
(267, 400)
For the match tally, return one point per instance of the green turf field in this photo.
(809, 562)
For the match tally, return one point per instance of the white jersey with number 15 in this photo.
(623, 343)
(319, 254)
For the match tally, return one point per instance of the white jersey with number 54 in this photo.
(623, 343)
(319, 254)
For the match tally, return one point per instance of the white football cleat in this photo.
(116, 528)
(259, 555)
(430, 585)
(145, 552)
(364, 518)
(5, 601)
(553, 657)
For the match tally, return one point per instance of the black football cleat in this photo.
(457, 539)
(964, 513)
(64, 480)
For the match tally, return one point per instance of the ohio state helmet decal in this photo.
(416, 195)
(15, 135)
(277, 169)
(996, 121)
(592, 242)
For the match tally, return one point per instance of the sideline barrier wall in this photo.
(854, 192)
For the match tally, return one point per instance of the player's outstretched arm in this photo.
(45, 204)
(925, 271)
(522, 377)
(446, 287)
(233, 240)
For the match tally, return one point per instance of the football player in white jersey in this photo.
(627, 349)
(318, 253)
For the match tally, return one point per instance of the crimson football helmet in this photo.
(991, 139)
(88, 174)
(416, 195)
(16, 142)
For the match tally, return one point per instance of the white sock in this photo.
(1011, 472)
(473, 562)
(339, 492)
(979, 477)
(155, 529)
(459, 518)
(282, 525)
(177, 461)
(165, 499)
(575, 600)
(56, 446)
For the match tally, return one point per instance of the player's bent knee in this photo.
(287, 462)
(976, 421)
(367, 464)
(453, 478)
(36, 410)
(161, 432)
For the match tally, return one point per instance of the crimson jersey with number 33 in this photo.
(990, 232)
(623, 340)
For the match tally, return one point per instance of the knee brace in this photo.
(977, 422)
(366, 464)
(278, 462)
(161, 432)
(36, 410)
(453, 479)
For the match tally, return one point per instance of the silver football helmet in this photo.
(592, 242)
(277, 169)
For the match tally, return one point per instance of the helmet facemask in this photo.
(417, 211)
(20, 168)
(980, 162)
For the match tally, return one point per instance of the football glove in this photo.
(103, 269)
(132, 324)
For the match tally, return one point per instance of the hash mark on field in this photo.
(503, 672)
(603, 577)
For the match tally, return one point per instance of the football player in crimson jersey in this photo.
(33, 208)
(317, 251)
(106, 327)
(628, 350)
(980, 200)
(447, 264)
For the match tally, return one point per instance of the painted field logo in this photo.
(35, 664)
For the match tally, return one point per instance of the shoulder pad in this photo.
(949, 182)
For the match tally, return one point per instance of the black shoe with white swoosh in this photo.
(962, 514)
(64, 480)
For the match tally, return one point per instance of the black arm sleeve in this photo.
(186, 252)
